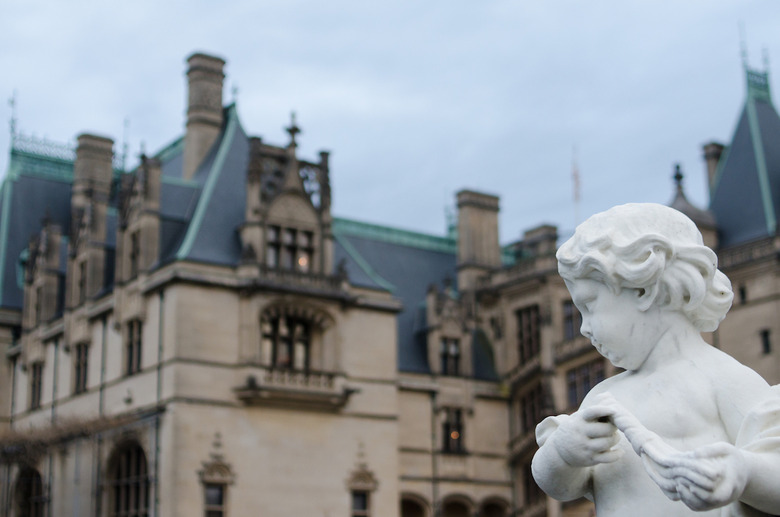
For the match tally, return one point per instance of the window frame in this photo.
(453, 423)
(581, 379)
(134, 347)
(528, 333)
(215, 510)
(365, 511)
(450, 354)
(80, 367)
(572, 321)
(36, 384)
(291, 337)
(128, 478)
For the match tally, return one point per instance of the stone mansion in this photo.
(201, 336)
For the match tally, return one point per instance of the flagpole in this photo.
(575, 178)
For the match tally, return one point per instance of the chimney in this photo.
(204, 109)
(478, 248)
(93, 170)
(712, 152)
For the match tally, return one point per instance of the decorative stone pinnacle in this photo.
(293, 129)
(678, 176)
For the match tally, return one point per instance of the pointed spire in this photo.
(12, 103)
(293, 130)
(678, 178)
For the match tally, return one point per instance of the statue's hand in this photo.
(588, 438)
(710, 476)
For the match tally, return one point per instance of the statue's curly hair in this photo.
(656, 250)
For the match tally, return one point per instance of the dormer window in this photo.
(450, 356)
(290, 249)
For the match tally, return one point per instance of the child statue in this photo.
(705, 428)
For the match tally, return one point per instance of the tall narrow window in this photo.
(135, 254)
(80, 367)
(30, 500)
(305, 251)
(452, 430)
(450, 356)
(215, 499)
(133, 346)
(572, 321)
(531, 404)
(766, 342)
(581, 379)
(288, 248)
(290, 341)
(528, 333)
(272, 247)
(128, 482)
(82, 282)
(36, 381)
(361, 500)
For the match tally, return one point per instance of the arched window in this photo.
(289, 339)
(493, 509)
(454, 509)
(411, 508)
(128, 482)
(30, 499)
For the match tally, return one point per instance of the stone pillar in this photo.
(478, 247)
(204, 109)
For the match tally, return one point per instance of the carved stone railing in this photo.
(271, 277)
(294, 388)
(522, 372)
(764, 248)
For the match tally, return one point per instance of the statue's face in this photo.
(615, 325)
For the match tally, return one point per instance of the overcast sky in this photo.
(414, 99)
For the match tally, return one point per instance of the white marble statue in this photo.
(685, 427)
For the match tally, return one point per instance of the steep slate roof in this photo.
(212, 234)
(402, 262)
(199, 219)
(35, 186)
(745, 197)
(406, 264)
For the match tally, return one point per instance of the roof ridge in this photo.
(413, 239)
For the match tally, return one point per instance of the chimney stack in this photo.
(93, 170)
(204, 109)
(478, 247)
(712, 152)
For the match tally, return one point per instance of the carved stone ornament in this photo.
(362, 479)
(216, 470)
(685, 428)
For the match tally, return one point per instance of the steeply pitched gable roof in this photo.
(745, 197)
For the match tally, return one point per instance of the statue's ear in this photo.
(646, 297)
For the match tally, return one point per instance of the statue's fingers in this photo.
(601, 444)
(694, 497)
(600, 429)
(597, 412)
(609, 456)
(667, 485)
(694, 477)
